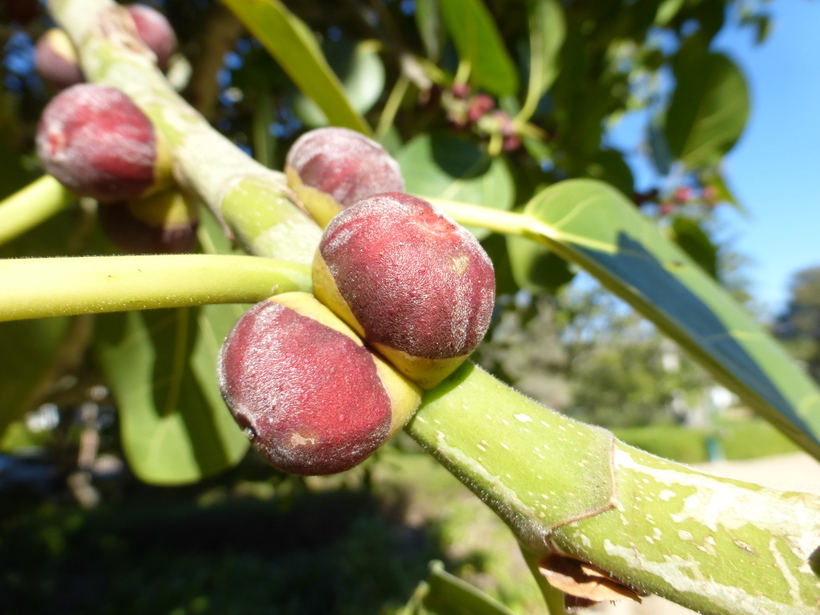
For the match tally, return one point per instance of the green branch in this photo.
(32, 205)
(251, 200)
(714, 545)
(42, 287)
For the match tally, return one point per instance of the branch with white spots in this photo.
(711, 544)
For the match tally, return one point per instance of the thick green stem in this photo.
(32, 205)
(41, 287)
(251, 200)
(713, 545)
(496, 220)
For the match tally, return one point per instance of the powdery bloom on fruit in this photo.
(308, 396)
(344, 164)
(98, 143)
(414, 279)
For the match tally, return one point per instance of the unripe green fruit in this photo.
(332, 168)
(163, 223)
(56, 60)
(98, 143)
(310, 396)
(413, 283)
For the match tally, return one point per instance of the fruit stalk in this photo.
(41, 287)
(32, 205)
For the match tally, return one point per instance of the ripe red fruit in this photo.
(155, 31)
(460, 90)
(98, 143)
(163, 223)
(480, 105)
(310, 396)
(416, 285)
(682, 195)
(56, 60)
(342, 164)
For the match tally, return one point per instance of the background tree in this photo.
(799, 325)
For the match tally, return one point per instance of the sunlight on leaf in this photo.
(708, 111)
(480, 43)
(294, 47)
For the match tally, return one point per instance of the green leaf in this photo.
(708, 110)
(547, 27)
(30, 346)
(608, 165)
(431, 31)
(535, 267)
(293, 45)
(594, 226)
(659, 150)
(713, 178)
(693, 240)
(495, 245)
(445, 594)
(667, 10)
(161, 366)
(361, 72)
(445, 167)
(479, 42)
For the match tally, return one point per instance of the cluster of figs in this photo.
(401, 293)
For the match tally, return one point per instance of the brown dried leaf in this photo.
(583, 583)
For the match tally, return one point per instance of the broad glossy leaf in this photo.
(547, 27)
(535, 267)
(446, 594)
(293, 45)
(495, 245)
(591, 224)
(608, 165)
(708, 111)
(445, 167)
(478, 41)
(693, 240)
(361, 72)
(161, 366)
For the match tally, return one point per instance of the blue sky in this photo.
(775, 168)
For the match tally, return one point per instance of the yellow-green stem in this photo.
(41, 287)
(32, 205)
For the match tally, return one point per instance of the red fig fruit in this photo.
(56, 60)
(155, 31)
(413, 283)
(98, 143)
(332, 168)
(310, 396)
